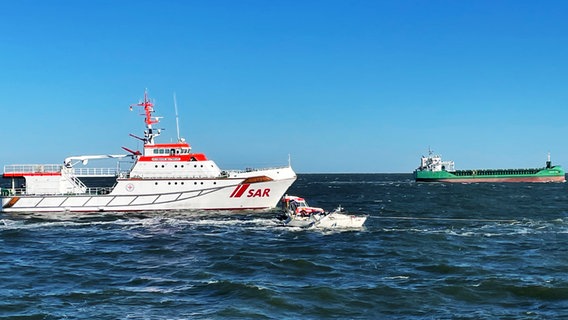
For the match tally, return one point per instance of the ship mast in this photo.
(149, 133)
(548, 162)
(177, 119)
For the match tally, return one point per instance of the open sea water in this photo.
(428, 251)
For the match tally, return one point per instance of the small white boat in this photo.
(299, 214)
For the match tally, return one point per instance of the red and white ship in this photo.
(165, 176)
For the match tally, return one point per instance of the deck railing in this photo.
(32, 168)
(95, 172)
(56, 168)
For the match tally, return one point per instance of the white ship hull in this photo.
(166, 194)
(332, 220)
(300, 214)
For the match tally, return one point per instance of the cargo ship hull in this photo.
(494, 180)
(554, 174)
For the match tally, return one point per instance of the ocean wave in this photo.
(438, 251)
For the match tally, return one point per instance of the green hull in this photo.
(552, 174)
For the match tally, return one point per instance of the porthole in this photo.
(155, 183)
(169, 183)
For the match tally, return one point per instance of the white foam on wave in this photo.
(487, 228)
(9, 224)
(147, 220)
(397, 278)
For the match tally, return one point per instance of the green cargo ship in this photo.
(433, 169)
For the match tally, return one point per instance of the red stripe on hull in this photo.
(29, 174)
(239, 191)
(174, 158)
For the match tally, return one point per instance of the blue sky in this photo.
(341, 86)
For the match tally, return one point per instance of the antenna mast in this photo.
(177, 116)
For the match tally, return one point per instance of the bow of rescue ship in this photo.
(163, 176)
